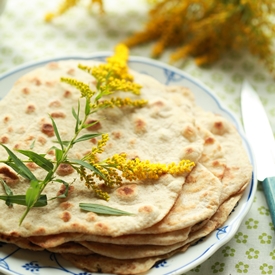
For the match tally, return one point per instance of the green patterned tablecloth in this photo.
(25, 37)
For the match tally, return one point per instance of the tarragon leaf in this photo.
(76, 116)
(58, 154)
(65, 194)
(90, 124)
(103, 209)
(57, 133)
(38, 159)
(21, 199)
(86, 137)
(88, 166)
(64, 142)
(8, 191)
(18, 166)
(87, 106)
(32, 193)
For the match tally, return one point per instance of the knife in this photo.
(260, 136)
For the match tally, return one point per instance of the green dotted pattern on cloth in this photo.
(25, 37)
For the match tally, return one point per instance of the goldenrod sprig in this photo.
(136, 169)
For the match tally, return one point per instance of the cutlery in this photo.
(260, 136)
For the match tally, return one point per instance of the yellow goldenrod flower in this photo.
(68, 4)
(82, 87)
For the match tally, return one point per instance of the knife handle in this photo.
(269, 191)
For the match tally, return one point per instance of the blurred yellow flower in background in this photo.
(205, 29)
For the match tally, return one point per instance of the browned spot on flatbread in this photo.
(189, 150)
(58, 115)
(53, 65)
(42, 140)
(4, 139)
(8, 176)
(64, 169)
(209, 140)
(39, 231)
(47, 129)
(65, 216)
(96, 125)
(5, 238)
(228, 174)
(36, 81)
(16, 146)
(71, 71)
(67, 94)
(189, 132)
(158, 103)
(93, 140)
(14, 234)
(6, 119)
(216, 163)
(55, 104)
(29, 138)
(219, 127)
(66, 205)
(145, 209)
(91, 217)
(127, 192)
(32, 166)
(50, 83)
(116, 134)
(139, 125)
(132, 142)
(8, 173)
(62, 190)
(30, 109)
(25, 91)
(102, 228)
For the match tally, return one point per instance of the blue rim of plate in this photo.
(172, 76)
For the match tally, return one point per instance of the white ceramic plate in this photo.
(18, 261)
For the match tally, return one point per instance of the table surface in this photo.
(25, 37)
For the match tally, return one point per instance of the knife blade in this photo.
(260, 136)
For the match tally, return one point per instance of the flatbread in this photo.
(167, 238)
(136, 132)
(238, 169)
(199, 200)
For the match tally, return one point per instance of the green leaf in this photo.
(7, 190)
(57, 133)
(90, 124)
(18, 166)
(65, 194)
(38, 159)
(103, 210)
(87, 106)
(64, 142)
(86, 137)
(32, 145)
(21, 199)
(58, 154)
(88, 166)
(32, 193)
(76, 116)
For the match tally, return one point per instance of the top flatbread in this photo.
(146, 133)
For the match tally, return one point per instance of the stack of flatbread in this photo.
(169, 214)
